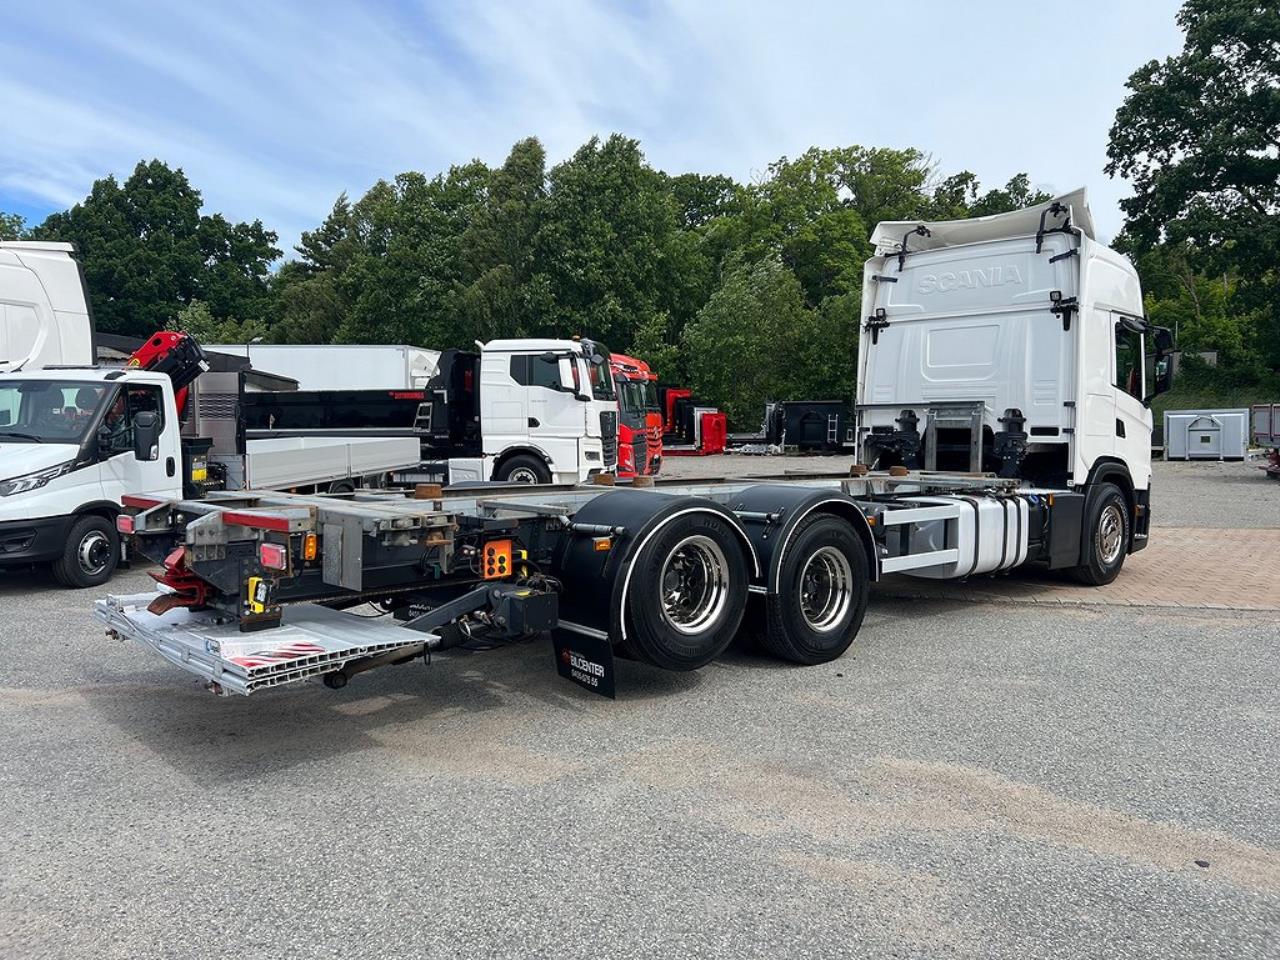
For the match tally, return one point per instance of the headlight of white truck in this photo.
(34, 481)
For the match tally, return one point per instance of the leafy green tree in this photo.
(198, 320)
(1199, 137)
(608, 244)
(655, 344)
(755, 340)
(12, 226)
(147, 251)
(498, 299)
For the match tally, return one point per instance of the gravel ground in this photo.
(969, 780)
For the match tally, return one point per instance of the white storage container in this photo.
(1206, 434)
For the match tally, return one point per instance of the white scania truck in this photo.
(1002, 421)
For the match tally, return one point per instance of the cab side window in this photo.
(1129, 360)
(117, 426)
(534, 371)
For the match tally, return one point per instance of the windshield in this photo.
(48, 411)
(632, 402)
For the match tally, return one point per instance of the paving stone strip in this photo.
(1194, 567)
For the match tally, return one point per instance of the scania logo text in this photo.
(969, 279)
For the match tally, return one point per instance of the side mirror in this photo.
(1163, 339)
(569, 381)
(146, 435)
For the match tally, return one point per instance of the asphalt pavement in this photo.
(970, 780)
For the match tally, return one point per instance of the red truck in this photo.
(639, 417)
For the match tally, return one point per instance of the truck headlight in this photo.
(34, 481)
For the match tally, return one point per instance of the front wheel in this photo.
(523, 468)
(1107, 537)
(91, 554)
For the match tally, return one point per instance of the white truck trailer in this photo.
(1001, 397)
(340, 366)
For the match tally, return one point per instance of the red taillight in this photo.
(124, 523)
(274, 556)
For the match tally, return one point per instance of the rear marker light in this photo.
(124, 523)
(274, 556)
(309, 547)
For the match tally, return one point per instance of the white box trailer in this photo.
(341, 366)
(1206, 434)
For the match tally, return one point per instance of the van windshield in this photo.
(49, 411)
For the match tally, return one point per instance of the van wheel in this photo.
(91, 554)
(687, 593)
(1107, 521)
(823, 587)
(523, 468)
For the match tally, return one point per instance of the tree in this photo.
(147, 252)
(1199, 137)
(197, 320)
(12, 226)
(608, 244)
(755, 340)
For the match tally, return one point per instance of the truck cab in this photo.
(1014, 344)
(639, 417)
(521, 411)
(73, 442)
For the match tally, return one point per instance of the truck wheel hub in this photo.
(1110, 533)
(826, 589)
(94, 553)
(695, 584)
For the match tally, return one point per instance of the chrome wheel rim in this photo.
(695, 585)
(94, 553)
(826, 589)
(1110, 534)
(523, 475)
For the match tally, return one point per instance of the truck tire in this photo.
(1107, 536)
(523, 468)
(687, 593)
(823, 587)
(91, 554)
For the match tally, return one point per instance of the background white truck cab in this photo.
(44, 313)
(548, 410)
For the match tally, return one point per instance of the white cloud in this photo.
(273, 109)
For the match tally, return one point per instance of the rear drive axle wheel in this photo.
(823, 586)
(687, 593)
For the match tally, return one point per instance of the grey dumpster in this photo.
(1206, 434)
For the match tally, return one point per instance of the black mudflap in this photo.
(587, 661)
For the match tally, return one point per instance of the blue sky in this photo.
(275, 108)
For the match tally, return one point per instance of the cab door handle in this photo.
(169, 467)
(533, 422)
(1119, 428)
